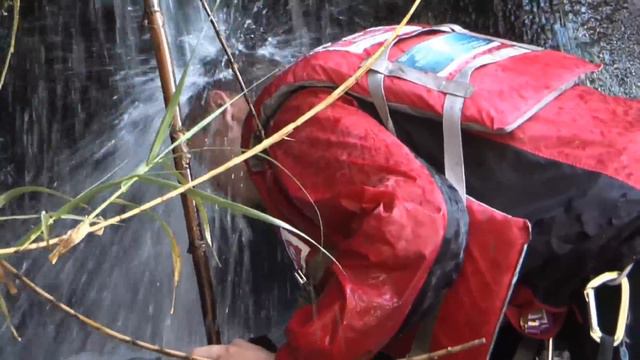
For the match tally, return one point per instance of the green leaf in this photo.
(238, 209)
(167, 120)
(206, 228)
(177, 262)
(171, 108)
(18, 217)
(19, 191)
(64, 211)
(44, 219)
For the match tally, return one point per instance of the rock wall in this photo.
(604, 31)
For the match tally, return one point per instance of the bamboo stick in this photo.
(197, 245)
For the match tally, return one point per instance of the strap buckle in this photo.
(609, 279)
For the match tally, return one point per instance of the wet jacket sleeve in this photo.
(383, 217)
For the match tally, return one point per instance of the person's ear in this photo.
(216, 99)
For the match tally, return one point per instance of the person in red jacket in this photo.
(417, 264)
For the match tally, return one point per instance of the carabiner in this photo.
(623, 312)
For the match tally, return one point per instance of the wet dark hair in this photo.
(253, 68)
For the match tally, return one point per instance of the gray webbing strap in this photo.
(429, 80)
(380, 69)
(452, 119)
(376, 88)
(452, 136)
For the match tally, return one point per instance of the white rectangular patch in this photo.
(296, 248)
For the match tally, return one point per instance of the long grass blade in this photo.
(289, 174)
(176, 259)
(108, 175)
(5, 313)
(44, 219)
(74, 237)
(7, 282)
(206, 227)
(167, 120)
(239, 209)
(64, 212)
(14, 193)
(12, 45)
(172, 108)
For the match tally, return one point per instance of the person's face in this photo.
(220, 142)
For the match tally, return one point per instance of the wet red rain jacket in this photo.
(386, 215)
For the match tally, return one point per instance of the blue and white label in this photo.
(441, 55)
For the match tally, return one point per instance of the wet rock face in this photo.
(59, 82)
(603, 31)
(6, 172)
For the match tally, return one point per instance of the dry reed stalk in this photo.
(92, 323)
(197, 245)
(14, 32)
(449, 351)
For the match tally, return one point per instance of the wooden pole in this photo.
(197, 244)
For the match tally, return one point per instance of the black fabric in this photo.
(264, 342)
(584, 223)
(382, 356)
(447, 265)
(528, 349)
(606, 348)
(506, 343)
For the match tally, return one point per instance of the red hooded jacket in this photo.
(383, 213)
